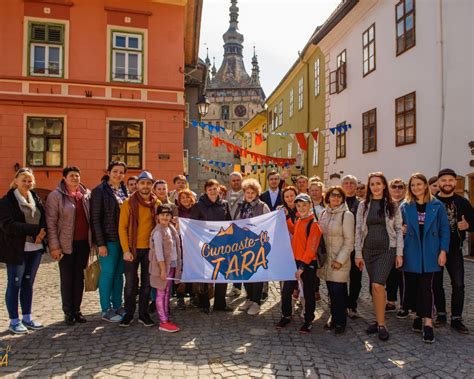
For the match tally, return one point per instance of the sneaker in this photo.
(33, 325)
(169, 327)
(152, 307)
(373, 328)
(111, 316)
(146, 320)
(428, 335)
(390, 308)
(339, 329)
(69, 319)
(440, 320)
(245, 305)
(120, 311)
(306, 328)
(417, 325)
(18, 328)
(458, 326)
(79, 317)
(283, 322)
(402, 314)
(181, 305)
(126, 321)
(383, 333)
(254, 309)
(352, 313)
(235, 292)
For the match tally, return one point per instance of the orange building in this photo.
(85, 82)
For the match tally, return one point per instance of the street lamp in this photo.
(203, 105)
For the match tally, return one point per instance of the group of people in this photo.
(404, 234)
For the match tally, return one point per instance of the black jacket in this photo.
(460, 207)
(14, 229)
(105, 213)
(265, 197)
(206, 210)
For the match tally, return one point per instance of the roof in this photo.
(193, 12)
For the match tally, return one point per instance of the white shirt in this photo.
(273, 195)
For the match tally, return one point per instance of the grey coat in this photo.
(258, 208)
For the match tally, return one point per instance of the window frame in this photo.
(46, 138)
(338, 77)
(186, 161)
(316, 152)
(127, 50)
(280, 112)
(317, 73)
(227, 107)
(341, 143)
(291, 102)
(300, 93)
(404, 114)
(368, 126)
(141, 140)
(367, 46)
(289, 151)
(403, 19)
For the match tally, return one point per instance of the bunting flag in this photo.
(315, 135)
(301, 138)
(258, 139)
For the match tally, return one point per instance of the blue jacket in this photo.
(418, 258)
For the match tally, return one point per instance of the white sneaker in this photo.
(254, 309)
(246, 305)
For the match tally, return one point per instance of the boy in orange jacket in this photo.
(305, 245)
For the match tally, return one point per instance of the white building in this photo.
(410, 110)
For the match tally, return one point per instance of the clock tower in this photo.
(235, 97)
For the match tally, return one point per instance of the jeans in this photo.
(254, 291)
(355, 284)
(420, 293)
(20, 284)
(131, 284)
(71, 272)
(394, 283)
(111, 277)
(163, 298)
(455, 267)
(337, 295)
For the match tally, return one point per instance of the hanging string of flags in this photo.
(236, 166)
(210, 169)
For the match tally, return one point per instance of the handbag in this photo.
(92, 272)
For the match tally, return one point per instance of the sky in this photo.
(277, 28)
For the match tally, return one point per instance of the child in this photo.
(305, 244)
(165, 262)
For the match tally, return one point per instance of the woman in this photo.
(251, 206)
(337, 224)
(211, 207)
(106, 200)
(288, 195)
(378, 244)
(426, 240)
(22, 234)
(160, 189)
(67, 217)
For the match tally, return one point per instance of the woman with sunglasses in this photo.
(378, 244)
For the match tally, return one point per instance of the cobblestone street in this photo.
(228, 345)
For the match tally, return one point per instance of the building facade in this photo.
(84, 84)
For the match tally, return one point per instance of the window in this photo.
(292, 101)
(275, 118)
(290, 150)
(127, 57)
(46, 47)
(300, 94)
(405, 19)
(405, 119)
(186, 117)
(341, 143)
(249, 144)
(225, 112)
(369, 131)
(125, 142)
(270, 120)
(316, 77)
(44, 142)
(280, 113)
(315, 153)
(186, 161)
(338, 78)
(368, 50)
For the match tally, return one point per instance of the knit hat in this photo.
(446, 171)
(303, 197)
(145, 175)
(164, 208)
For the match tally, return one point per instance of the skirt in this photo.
(379, 263)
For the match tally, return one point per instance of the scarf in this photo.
(135, 201)
(30, 204)
(247, 210)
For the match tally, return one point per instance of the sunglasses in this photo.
(398, 186)
(336, 195)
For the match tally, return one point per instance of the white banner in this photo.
(257, 249)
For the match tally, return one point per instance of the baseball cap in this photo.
(303, 197)
(446, 171)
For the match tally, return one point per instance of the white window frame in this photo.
(280, 113)
(315, 153)
(300, 94)
(275, 118)
(316, 77)
(46, 59)
(292, 102)
(139, 51)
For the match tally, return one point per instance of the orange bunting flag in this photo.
(315, 136)
(258, 139)
(300, 137)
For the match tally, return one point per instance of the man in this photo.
(315, 190)
(302, 183)
(132, 184)
(235, 193)
(461, 220)
(433, 183)
(349, 185)
(137, 220)
(272, 196)
(180, 183)
(361, 190)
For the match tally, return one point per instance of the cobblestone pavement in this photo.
(229, 345)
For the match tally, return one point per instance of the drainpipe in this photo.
(441, 42)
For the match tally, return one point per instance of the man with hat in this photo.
(461, 220)
(137, 220)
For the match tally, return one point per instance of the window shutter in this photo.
(38, 33)
(333, 78)
(55, 34)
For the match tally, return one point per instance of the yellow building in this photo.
(257, 124)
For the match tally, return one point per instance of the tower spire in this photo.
(255, 78)
(214, 70)
(233, 40)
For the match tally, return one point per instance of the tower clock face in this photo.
(240, 111)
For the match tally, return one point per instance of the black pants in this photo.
(220, 290)
(355, 284)
(420, 293)
(71, 272)
(237, 285)
(254, 291)
(338, 297)
(131, 284)
(408, 296)
(455, 267)
(182, 289)
(394, 283)
(308, 278)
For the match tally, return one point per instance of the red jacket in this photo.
(304, 248)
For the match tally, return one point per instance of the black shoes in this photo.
(428, 335)
(458, 326)
(383, 333)
(306, 328)
(283, 322)
(146, 320)
(440, 320)
(339, 329)
(79, 317)
(417, 325)
(390, 308)
(372, 329)
(225, 309)
(126, 321)
(264, 296)
(69, 319)
(402, 314)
